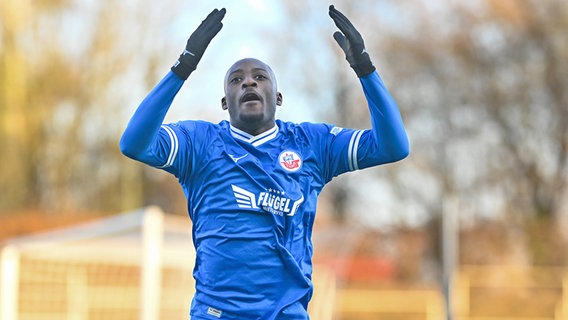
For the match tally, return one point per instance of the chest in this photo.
(275, 164)
(275, 174)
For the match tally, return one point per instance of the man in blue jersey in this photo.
(252, 182)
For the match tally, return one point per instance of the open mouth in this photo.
(250, 96)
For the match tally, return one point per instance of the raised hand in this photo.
(197, 43)
(350, 40)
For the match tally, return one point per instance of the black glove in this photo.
(352, 44)
(197, 43)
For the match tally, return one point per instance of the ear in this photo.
(224, 103)
(278, 98)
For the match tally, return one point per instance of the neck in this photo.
(254, 130)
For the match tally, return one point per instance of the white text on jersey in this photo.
(273, 202)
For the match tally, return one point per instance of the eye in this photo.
(235, 80)
(260, 77)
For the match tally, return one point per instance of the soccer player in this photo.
(252, 182)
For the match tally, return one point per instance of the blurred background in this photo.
(473, 225)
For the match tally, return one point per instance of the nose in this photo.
(249, 81)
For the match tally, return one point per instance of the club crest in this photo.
(290, 161)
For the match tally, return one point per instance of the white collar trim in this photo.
(254, 140)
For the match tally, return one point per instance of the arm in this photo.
(142, 139)
(388, 133)
(388, 130)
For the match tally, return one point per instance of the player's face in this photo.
(250, 96)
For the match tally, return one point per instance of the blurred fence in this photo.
(384, 304)
(139, 266)
(511, 292)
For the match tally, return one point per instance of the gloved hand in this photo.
(197, 43)
(352, 44)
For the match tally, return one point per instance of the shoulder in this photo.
(193, 130)
(305, 126)
(313, 128)
(197, 126)
(311, 132)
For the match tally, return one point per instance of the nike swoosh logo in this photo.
(236, 159)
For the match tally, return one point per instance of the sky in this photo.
(244, 34)
(239, 38)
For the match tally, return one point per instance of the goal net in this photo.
(136, 265)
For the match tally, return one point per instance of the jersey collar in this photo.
(254, 140)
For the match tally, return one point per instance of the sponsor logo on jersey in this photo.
(290, 161)
(272, 201)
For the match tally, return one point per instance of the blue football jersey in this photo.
(252, 199)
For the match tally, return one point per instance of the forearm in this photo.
(143, 128)
(387, 126)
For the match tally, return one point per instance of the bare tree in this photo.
(68, 71)
(481, 88)
(485, 94)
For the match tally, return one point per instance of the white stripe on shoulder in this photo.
(352, 150)
(173, 148)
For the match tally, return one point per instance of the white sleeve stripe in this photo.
(356, 149)
(173, 148)
(349, 155)
(352, 150)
